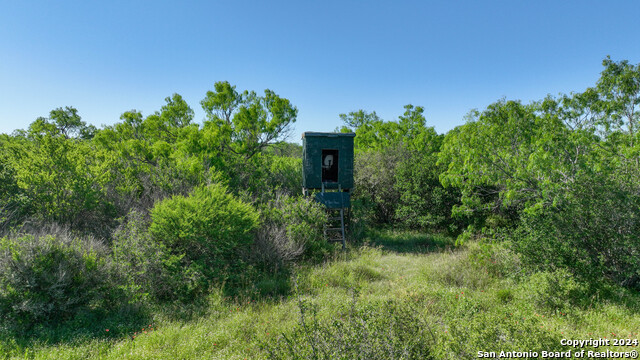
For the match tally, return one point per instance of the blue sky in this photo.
(327, 57)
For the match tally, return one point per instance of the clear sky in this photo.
(327, 57)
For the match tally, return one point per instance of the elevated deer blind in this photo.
(327, 170)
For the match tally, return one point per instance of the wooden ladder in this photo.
(334, 231)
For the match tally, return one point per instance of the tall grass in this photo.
(374, 302)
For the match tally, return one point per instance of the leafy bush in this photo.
(424, 202)
(291, 227)
(496, 258)
(285, 174)
(593, 232)
(267, 175)
(552, 290)
(454, 270)
(374, 178)
(63, 178)
(14, 205)
(145, 268)
(49, 277)
(390, 330)
(490, 159)
(504, 295)
(210, 229)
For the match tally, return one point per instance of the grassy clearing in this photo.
(369, 301)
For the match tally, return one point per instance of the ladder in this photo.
(337, 209)
(334, 230)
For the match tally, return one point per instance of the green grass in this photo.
(465, 301)
(408, 241)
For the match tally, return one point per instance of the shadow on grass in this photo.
(405, 242)
(123, 322)
(84, 325)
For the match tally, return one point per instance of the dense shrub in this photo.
(14, 205)
(137, 186)
(563, 172)
(424, 203)
(374, 178)
(390, 330)
(285, 175)
(210, 229)
(49, 277)
(555, 290)
(145, 268)
(593, 231)
(63, 179)
(497, 258)
(396, 172)
(291, 227)
(264, 176)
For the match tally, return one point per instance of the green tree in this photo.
(424, 202)
(493, 159)
(619, 88)
(166, 123)
(395, 169)
(375, 182)
(245, 123)
(562, 171)
(240, 126)
(58, 174)
(14, 205)
(154, 157)
(379, 148)
(62, 122)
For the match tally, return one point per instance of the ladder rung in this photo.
(335, 234)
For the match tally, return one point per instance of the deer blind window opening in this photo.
(329, 166)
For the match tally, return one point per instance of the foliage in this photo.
(146, 269)
(489, 159)
(291, 227)
(14, 205)
(56, 175)
(396, 174)
(372, 133)
(554, 291)
(285, 149)
(593, 232)
(65, 123)
(245, 123)
(285, 175)
(563, 172)
(48, 278)
(619, 89)
(375, 183)
(391, 330)
(154, 157)
(166, 154)
(262, 177)
(210, 229)
(424, 203)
